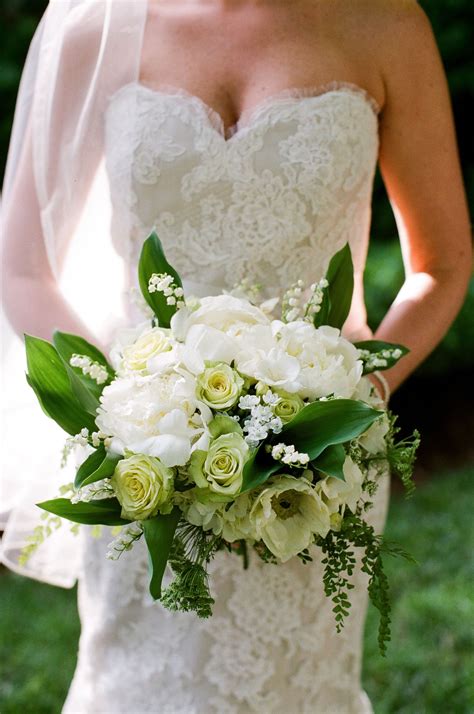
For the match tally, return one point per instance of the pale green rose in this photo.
(287, 514)
(231, 523)
(143, 486)
(220, 469)
(219, 386)
(148, 345)
(288, 406)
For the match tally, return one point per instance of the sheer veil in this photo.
(82, 52)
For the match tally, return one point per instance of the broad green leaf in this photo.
(331, 461)
(321, 424)
(48, 377)
(380, 349)
(84, 387)
(105, 511)
(338, 295)
(100, 464)
(153, 260)
(159, 533)
(258, 469)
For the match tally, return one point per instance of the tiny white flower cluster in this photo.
(287, 454)
(378, 360)
(82, 439)
(95, 370)
(164, 283)
(292, 306)
(313, 305)
(124, 540)
(93, 492)
(262, 419)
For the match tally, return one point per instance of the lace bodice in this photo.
(270, 199)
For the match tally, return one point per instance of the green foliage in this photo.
(331, 461)
(322, 424)
(339, 562)
(86, 389)
(153, 260)
(159, 533)
(190, 553)
(338, 295)
(100, 464)
(48, 377)
(99, 512)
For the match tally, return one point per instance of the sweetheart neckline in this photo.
(249, 116)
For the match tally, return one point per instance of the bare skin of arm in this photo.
(421, 170)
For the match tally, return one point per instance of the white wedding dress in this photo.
(269, 200)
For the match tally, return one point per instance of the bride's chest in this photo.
(323, 136)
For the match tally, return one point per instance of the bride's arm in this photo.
(421, 170)
(31, 299)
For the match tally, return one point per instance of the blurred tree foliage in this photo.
(453, 24)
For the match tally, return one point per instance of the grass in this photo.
(429, 668)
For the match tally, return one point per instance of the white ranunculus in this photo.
(287, 514)
(336, 492)
(151, 415)
(221, 312)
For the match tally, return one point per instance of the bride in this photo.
(247, 132)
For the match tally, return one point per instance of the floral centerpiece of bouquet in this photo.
(216, 426)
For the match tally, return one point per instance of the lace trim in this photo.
(250, 115)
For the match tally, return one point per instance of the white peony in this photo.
(329, 363)
(152, 415)
(206, 344)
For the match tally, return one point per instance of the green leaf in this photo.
(338, 295)
(100, 464)
(84, 387)
(376, 349)
(105, 511)
(331, 461)
(48, 378)
(152, 260)
(159, 533)
(258, 469)
(321, 424)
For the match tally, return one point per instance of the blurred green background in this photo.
(430, 666)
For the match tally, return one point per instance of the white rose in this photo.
(287, 514)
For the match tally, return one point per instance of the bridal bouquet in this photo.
(217, 426)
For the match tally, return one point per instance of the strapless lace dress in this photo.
(270, 200)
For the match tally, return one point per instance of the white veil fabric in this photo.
(82, 52)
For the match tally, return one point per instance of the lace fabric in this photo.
(271, 204)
